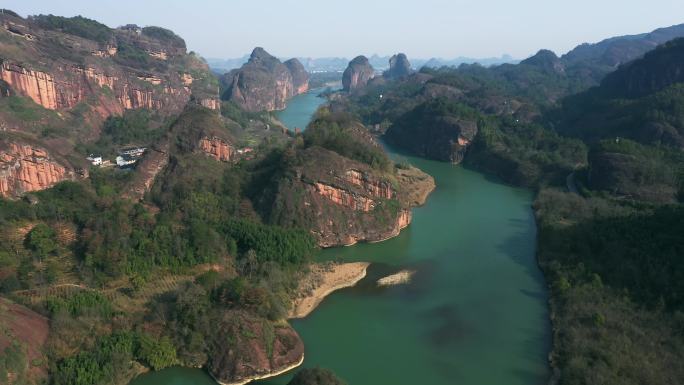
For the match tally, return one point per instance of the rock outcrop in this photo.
(342, 201)
(246, 348)
(264, 83)
(300, 77)
(101, 76)
(430, 132)
(358, 73)
(217, 148)
(147, 169)
(399, 67)
(25, 168)
(65, 87)
(37, 85)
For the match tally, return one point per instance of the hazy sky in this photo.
(420, 28)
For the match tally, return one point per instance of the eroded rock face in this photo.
(39, 86)
(25, 168)
(342, 201)
(211, 103)
(264, 83)
(147, 169)
(67, 87)
(217, 148)
(60, 71)
(345, 198)
(399, 67)
(357, 74)
(247, 348)
(300, 77)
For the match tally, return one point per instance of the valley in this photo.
(166, 222)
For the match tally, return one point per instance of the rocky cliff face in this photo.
(264, 83)
(60, 71)
(399, 67)
(342, 201)
(146, 171)
(246, 348)
(217, 148)
(357, 74)
(25, 168)
(71, 82)
(65, 87)
(432, 134)
(300, 77)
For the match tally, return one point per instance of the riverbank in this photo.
(322, 280)
(264, 376)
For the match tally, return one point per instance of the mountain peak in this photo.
(260, 54)
(547, 60)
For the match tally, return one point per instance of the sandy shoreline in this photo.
(324, 279)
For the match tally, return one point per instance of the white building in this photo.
(95, 160)
(125, 160)
(135, 151)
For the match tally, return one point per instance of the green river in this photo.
(474, 314)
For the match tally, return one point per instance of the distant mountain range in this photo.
(608, 53)
(380, 63)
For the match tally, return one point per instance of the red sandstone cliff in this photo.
(65, 87)
(300, 78)
(217, 148)
(59, 71)
(264, 83)
(357, 74)
(25, 168)
(342, 201)
(81, 79)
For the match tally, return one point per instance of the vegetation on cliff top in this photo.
(77, 25)
(339, 132)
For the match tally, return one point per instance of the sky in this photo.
(419, 28)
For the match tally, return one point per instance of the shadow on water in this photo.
(447, 327)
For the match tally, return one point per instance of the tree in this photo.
(156, 353)
(41, 240)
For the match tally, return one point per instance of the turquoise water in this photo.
(300, 108)
(474, 314)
